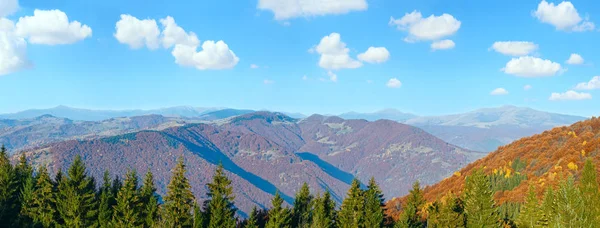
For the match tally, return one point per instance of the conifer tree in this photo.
(530, 213)
(549, 207)
(589, 190)
(8, 190)
(179, 200)
(219, 206)
(301, 210)
(199, 217)
(107, 202)
(448, 212)
(480, 207)
(42, 208)
(26, 194)
(351, 214)
(251, 221)
(148, 201)
(410, 216)
(570, 205)
(374, 205)
(279, 216)
(127, 210)
(323, 211)
(76, 198)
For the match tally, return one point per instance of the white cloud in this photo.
(514, 48)
(8, 7)
(213, 56)
(575, 59)
(304, 77)
(172, 34)
(499, 91)
(369, 81)
(594, 83)
(442, 45)
(569, 95)
(527, 87)
(136, 33)
(563, 16)
(254, 66)
(268, 82)
(528, 66)
(334, 53)
(429, 28)
(375, 55)
(332, 76)
(13, 49)
(393, 83)
(51, 27)
(287, 9)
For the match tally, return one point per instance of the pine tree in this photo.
(127, 210)
(479, 201)
(76, 199)
(9, 198)
(570, 205)
(323, 211)
(302, 215)
(199, 217)
(374, 205)
(148, 201)
(352, 210)
(42, 208)
(107, 202)
(251, 221)
(219, 206)
(589, 190)
(446, 213)
(530, 213)
(26, 194)
(410, 216)
(549, 207)
(179, 200)
(279, 216)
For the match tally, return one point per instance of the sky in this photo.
(427, 57)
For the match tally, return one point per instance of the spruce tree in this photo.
(148, 201)
(530, 213)
(302, 214)
(179, 200)
(76, 198)
(570, 205)
(9, 195)
(351, 214)
(251, 221)
(127, 210)
(199, 217)
(410, 216)
(279, 216)
(107, 202)
(26, 196)
(589, 190)
(374, 205)
(42, 208)
(480, 207)
(219, 206)
(549, 207)
(448, 212)
(323, 211)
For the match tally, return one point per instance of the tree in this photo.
(448, 212)
(279, 216)
(251, 221)
(148, 201)
(302, 215)
(43, 204)
(107, 202)
(570, 205)
(480, 207)
(76, 199)
(352, 210)
(549, 207)
(219, 206)
(530, 213)
(589, 190)
(410, 216)
(323, 211)
(374, 205)
(127, 210)
(26, 194)
(199, 217)
(8, 190)
(179, 200)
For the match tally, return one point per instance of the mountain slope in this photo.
(388, 114)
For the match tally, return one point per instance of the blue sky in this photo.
(97, 69)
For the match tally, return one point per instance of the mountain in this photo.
(388, 114)
(223, 113)
(96, 115)
(541, 160)
(264, 152)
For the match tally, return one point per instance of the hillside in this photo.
(540, 160)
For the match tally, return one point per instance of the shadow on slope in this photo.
(328, 168)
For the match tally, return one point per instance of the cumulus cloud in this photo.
(254, 66)
(332, 76)
(287, 9)
(575, 59)
(442, 45)
(527, 87)
(569, 95)
(563, 17)
(137, 33)
(13, 49)
(268, 82)
(393, 83)
(594, 83)
(429, 28)
(51, 27)
(334, 53)
(528, 66)
(8, 7)
(499, 91)
(172, 34)
(375, 55)
(213, 56)
(514, 48)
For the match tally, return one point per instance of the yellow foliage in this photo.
(541, 180)
(508, 172)
(572, 166)
(495, 171)
(584, 143)
(583, 153)
(457, 174)
(558, 167)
